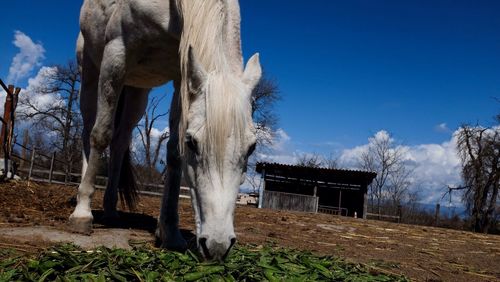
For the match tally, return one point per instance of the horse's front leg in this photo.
(110, 85)
(168, 226)
(168, 229)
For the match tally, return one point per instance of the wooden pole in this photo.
(7, 119)
(15, 97)
(51, 172)
(31, 164)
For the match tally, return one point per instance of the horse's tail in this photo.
(127, 185)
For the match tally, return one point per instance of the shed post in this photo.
(365, 203)
(340, 201)
(317, 199)
(262, 188)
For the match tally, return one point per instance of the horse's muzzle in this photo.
(215, 250)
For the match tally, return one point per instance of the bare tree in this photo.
(310, 160)
(411, 206)
(398, 186)
(62, 117)
(152, 141)
(479, 151)
(385, 158)
(331, 161)
(265, 96)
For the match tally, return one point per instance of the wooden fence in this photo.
(387, 217)
(289, 201)
(38, 172)
(396, 218)
(333, 210)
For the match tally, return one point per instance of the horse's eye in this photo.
(192, 144)
(251, 149)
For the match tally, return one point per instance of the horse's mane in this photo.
(212, 28)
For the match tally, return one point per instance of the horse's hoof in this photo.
(80, 225)
(179, 245)
(173, 242)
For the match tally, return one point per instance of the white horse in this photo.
(127, 47)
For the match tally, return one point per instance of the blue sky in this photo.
(350, 68)
(346, 69)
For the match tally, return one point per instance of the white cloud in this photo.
(40, 101)
(33, 94)
(156, 133)
(2, 99)
(280, 150)
(442, 127)
(434, 165)
(30, 55)
(349, 157)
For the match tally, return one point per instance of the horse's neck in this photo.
(233, 31)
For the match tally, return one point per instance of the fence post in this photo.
(436, 215)
(52, 166)
(31, 163)
(25, 145)
(400, 213)
(67, 171)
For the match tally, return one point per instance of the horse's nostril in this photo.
(233, 241)
(203, 243)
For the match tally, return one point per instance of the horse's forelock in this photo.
(228, 115)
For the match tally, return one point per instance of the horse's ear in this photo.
(196, 72)
(253, 71)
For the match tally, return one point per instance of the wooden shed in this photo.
(334, 191)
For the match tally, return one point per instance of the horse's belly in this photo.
(146, 79)
(154, 69)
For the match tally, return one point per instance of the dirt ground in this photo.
(421, 253)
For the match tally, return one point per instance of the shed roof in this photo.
(355, 177)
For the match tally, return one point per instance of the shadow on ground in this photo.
(137, 221)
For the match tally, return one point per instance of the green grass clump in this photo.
(69, 263)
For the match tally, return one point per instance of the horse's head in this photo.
(219, 137)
